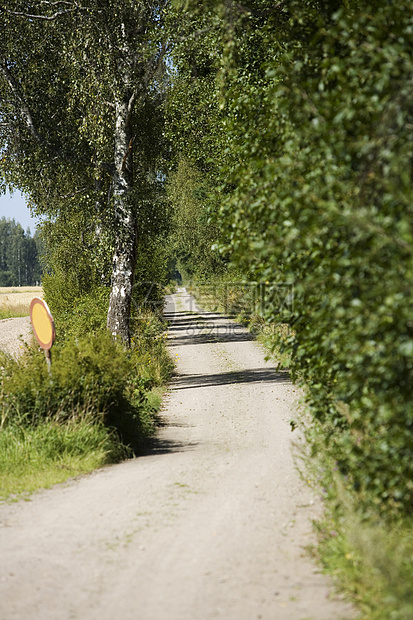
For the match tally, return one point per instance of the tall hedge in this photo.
(320, 114)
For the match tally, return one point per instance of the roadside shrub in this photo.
(151, 361)
(93, 379)
(151, 276)
(86, 315)
(75, 313)
(87, 375)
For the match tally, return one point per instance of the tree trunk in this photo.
(125, 236)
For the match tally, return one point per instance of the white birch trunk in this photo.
(125, 237)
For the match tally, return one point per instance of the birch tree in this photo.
(79, 89)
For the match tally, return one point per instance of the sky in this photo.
(14, 207)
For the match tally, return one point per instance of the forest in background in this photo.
(19, 255)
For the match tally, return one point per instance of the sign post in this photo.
(43, 327)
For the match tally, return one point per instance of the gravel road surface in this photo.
(212, 523)
(13, 332)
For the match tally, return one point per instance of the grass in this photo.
(42, 456)
(371, 562)
(369, 556)
(15, 301)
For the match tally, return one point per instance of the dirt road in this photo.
(13, 333)
(211, 524)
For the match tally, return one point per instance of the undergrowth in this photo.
(96, 406)
(370, 557)
(372, 562)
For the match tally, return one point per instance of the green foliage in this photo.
(75, 313)
(62, 155)
(370, 560)
(373, 564)
(316, 194)
(80, 100)
(151, 274)
(77, 259)
(87, 375)
(195, 127)
(192, 108)
(151, 361)
(6, 278)
(92, 378)
(86, 314)
(192, 235)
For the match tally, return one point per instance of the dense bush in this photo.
(315, 162)
(93, 379)
(323, 201)
(75, 312)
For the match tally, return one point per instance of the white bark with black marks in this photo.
(125, 240)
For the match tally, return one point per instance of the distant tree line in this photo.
(19, 255)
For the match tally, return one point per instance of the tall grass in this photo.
(41, 456)
(370, 557)
(371, 561)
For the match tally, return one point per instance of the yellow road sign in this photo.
(42, 323)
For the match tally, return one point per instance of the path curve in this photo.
(212, 523)
(13, 333)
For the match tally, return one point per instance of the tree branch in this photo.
(74, 7)
(47, 18)
(24, 108)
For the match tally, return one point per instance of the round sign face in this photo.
(42, 323)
